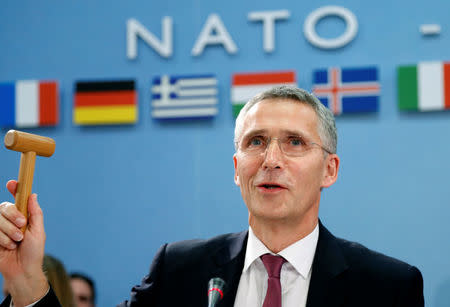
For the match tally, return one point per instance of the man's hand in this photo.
(21, 255)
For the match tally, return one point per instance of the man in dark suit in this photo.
(343, 274)
(285, 155)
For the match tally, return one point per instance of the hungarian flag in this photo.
(424, 87)
(105, 103)
(29, 103)
(247, 85)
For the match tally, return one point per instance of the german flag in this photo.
(105, 103)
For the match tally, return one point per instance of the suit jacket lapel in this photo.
(230, 262)
(326, 288)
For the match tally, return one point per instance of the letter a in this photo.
(213, 33)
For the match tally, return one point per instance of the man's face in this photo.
(274, 186)
(82, 293)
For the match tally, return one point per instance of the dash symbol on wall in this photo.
(430, 29)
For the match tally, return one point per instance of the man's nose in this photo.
(274, 156)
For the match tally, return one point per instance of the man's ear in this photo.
(331, 170)
(236, 175)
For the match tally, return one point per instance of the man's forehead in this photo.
(273, 106)
(281, 116)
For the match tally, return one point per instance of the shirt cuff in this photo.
(32, 304)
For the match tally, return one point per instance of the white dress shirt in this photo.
(295, 273)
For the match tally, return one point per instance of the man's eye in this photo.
(295, 141)
(256, 141)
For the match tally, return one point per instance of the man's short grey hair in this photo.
(326, 124)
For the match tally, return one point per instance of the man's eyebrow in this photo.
(286, 132)
(293, 132)
(253, 133)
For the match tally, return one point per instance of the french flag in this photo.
(29, 103)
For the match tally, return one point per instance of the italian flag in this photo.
(247, 85)
(424, 87)
(29, 103)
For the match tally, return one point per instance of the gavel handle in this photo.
(25, 182)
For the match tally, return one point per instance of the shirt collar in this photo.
(299, 254)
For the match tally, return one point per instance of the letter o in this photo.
(311, 35)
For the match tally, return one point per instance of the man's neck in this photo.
(276, 235)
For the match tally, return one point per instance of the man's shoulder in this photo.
(373, 263)
(200, 245)
(373, 277)
(198, 250)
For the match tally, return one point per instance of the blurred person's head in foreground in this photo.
(83, 289)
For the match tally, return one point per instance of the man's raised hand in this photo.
(21, 255)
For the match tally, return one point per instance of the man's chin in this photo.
(269, 211)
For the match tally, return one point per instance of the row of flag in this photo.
(31, 103)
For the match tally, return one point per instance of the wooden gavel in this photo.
(29, 145)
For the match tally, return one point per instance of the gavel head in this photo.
(27, 142)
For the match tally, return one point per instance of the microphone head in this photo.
(216, 288)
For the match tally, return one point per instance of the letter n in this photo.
(135, 29)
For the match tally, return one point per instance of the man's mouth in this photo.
(270, 186)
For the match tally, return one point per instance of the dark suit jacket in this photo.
(343, 274)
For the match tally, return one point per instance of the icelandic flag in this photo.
(348, 90)
(187, 96)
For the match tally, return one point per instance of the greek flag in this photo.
(189, 96)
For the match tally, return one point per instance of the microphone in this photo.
(216, 288)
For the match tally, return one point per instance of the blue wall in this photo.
(112, 195)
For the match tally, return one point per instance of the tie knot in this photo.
(273, 264)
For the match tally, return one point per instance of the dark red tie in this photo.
(273, 266)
